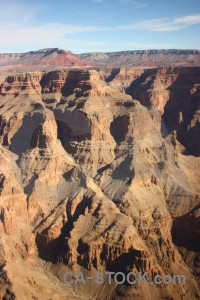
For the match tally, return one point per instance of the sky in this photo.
(99, 25)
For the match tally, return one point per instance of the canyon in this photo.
(99, 170)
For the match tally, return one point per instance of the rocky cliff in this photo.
(99, 170)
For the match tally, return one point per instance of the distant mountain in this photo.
(49, 58)
(55, 58)
(144, 58)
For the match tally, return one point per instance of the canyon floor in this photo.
(99, 170)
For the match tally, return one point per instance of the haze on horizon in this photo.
(99, 25)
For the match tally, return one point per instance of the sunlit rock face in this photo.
(99, 170)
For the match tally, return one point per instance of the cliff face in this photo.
(99, 170)
(175, 92)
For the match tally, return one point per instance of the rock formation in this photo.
(100, 170)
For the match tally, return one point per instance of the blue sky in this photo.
(99, 25)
